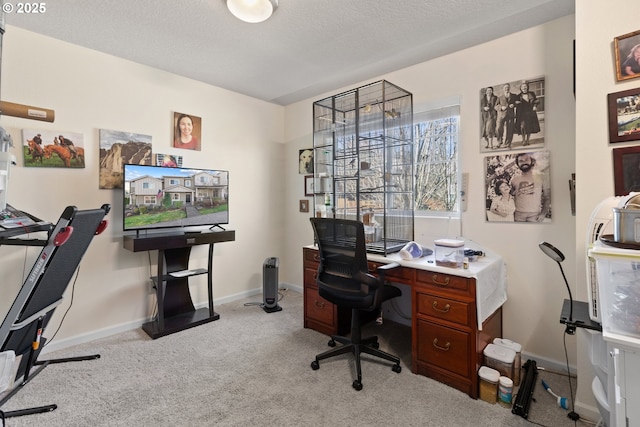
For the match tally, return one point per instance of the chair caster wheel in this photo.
(315, 365)
(396, 368)
(375, 345)
(357, 385)
(331, 343)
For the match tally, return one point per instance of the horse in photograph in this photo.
(63, 153)
(35, 150)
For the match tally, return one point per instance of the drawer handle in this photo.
(316, 257)
(319, 304)
(446, 308)
(435, 280)
(445, 348)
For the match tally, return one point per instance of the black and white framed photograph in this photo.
(308, 185)
(512, 115)
(518, 187)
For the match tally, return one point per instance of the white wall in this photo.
(535, 286)
(597, 23)
(90, 91)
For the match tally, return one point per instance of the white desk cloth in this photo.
(489, 271)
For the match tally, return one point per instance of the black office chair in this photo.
(344, 280)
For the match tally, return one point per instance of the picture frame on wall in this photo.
(187, 130)
(626, 170)
(627, 53)
(512, 115)
(305, 161)
(304, 205)
(624, 115)
(117, 148)
(518, 180)
(52, 149)
(308, 185)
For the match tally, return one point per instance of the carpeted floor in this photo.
(252, 368)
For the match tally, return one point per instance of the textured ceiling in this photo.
(307, 48)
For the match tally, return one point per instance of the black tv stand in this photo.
(217, 226)
(176, 311)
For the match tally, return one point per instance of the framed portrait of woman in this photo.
(187, 131)
(627, 51)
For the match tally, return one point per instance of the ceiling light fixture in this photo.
(252, 11)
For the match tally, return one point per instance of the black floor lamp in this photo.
(555, 254)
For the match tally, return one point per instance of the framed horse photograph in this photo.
(52, 149)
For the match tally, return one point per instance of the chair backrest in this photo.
(343, 274)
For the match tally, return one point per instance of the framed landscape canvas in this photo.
(117, 148)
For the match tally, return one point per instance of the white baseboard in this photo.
(128, 326)
(548, 364)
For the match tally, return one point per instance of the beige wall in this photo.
(90, 91)
(535, 286)
(597, 23)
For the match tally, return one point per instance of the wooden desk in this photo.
(176, 311)
(451, 321)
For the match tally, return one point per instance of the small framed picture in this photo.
(627, 51)
(305, 161)
(304, 205)
(624, 115)
(626, 170)
(187, 130)
(308, 185)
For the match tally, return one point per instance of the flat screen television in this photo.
(156, 197)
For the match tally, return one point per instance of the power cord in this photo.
(261, 304)
(73, 291)
(573, 415)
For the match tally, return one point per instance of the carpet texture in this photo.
(251, 368)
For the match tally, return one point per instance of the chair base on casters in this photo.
(356, 345)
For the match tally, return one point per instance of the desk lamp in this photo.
(555, 254)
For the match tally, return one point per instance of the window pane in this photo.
(436, 166)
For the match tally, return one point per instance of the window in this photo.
(436, 163)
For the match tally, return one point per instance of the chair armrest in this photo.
(382, 270)
(384, 267)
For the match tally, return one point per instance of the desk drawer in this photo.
(310, 277)
(443, 308)
(318, 308)
(311, 255)
(443, 347)
(443, 281)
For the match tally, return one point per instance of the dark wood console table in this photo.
(176, 311)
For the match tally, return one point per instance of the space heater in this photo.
(270, 285)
